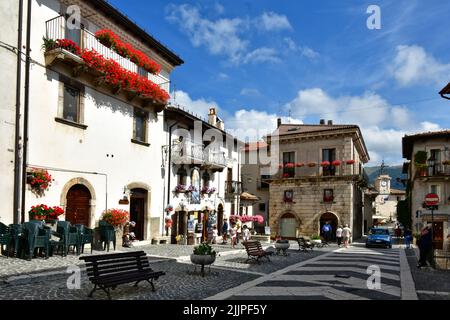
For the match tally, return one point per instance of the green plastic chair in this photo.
(107, 234)
(85, 236)
(16, 231)
(35, 237)
(69, 234)
(5, 238)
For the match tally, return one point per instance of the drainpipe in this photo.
(17, 145)
(170, 161)
(25, 113)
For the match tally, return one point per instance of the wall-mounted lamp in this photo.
(124, 200)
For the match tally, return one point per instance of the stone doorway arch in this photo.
(80, 186)
(333, 220)
(139, 209)
(289, 224)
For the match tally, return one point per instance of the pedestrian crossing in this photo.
(345, 274)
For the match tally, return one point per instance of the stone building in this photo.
(319, 178)
(385, 201)
(428, 169)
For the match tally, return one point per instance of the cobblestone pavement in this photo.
(338, 275)
(430, 284)
(47, 279)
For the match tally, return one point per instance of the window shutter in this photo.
(60, 110)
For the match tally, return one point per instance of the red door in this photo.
(78, 205)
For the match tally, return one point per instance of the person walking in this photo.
(238, 230)
(346, 234)
(408, 237)
(339, 236)
(225, 232)
(326, 229)
(425, 247)
(233, 233)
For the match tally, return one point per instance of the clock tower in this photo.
(383, 184)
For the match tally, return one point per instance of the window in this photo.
(288, 196)
(71, 103)
(330, 156)
(182, 176)
(288, 164)
(435, 162)
(328, 195)
(140, 125)
(435, 188)
(262, 207)
(206, 178)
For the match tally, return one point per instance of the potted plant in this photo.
(311, 164)
(117, 218)
(281, 246)
(336, 163)
(350, 162)
(203, 255)
(299, 164)
(180, 188)
(315, 238)
(420, 161)
(40, 181)
(325, 164)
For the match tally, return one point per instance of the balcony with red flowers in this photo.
(106, 61)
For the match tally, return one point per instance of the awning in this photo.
(245, 196)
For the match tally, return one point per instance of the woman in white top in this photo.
(339, 235)
(346, 234)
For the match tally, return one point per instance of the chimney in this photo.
(212, 117)
(278, 122)
(330, 122)
(322, 121)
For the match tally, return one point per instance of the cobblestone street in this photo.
(47, 279)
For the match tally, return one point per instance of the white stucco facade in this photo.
(98, 151)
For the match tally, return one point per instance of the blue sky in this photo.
(258, 60)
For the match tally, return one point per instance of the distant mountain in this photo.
(394, 172)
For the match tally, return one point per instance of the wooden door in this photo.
(78, 206)
(438, 235)
(138, 202)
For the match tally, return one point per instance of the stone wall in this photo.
(308, 205)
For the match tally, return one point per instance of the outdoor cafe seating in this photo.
(36, 238)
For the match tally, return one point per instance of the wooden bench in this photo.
(255, 251)
(110, 270)
(304, 245)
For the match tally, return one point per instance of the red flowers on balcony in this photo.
(349, 162)
(289, 165)
(311, 164)
(111, 40)
(336, 163)
(69, 45)
(325, 163)
(119, 77)
(299, 164)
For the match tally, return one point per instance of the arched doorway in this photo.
(219, 219)
(78, 205)
(138, 205)
(288, 226)
(332, 220)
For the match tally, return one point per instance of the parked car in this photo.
(379, 237)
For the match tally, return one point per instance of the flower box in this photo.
(350, 162)
(299, 164)
(325, 164)
(311, 164)
(336, 163)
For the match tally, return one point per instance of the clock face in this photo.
(383, 183)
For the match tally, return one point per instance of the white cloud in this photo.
(382, 124)
(302, 50)
(222, 76)
(219, 37)
(271, 21)
(230, 37)
(200, 107)
(413, 64)
(251, 92)
(262, 55)
(262, 123)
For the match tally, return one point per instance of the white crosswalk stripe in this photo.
(340, 275)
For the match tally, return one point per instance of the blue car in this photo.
(379, 237)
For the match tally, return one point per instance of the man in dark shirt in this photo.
(425, 247)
